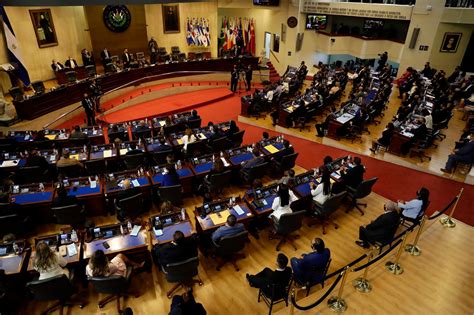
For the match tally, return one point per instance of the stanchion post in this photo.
(361, 284)
(447, 221)
(336, 303)
(413, 249)
(292, 306)
(395, 267)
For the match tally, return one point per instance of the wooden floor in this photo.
(440, 281)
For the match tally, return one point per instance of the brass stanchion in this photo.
(447, 221)
(395, 267)
(413, 249)
(292, 306)
(336, 303)
(361, 284)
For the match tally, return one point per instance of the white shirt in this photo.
(318, 194)
(278, 210)
(55, 270)
(429, 121)
(185, 140)
(269, 95)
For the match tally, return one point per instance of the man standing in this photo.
(89, 109)
(105, 57)
(126, 58)
(153, 49)
(56, 66)
(234, 79)
(70, 63)
(248, 76)
(87, 58)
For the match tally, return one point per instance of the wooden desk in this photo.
(205, 225)
(61, 76)
(398, 140)
(184, 226)
(13, 264)
(185, 177)
(92, 198)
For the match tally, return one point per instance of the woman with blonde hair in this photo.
(100, 266)
(48, 263)
(188, 138)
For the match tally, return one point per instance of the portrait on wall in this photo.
(276, 43)
(44, 27)
(170, 18)
(450, 42)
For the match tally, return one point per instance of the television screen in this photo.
(316, 22)
(373, 24)
(271, 3)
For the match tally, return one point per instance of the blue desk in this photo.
(84, 190)
(168, 231)
(202, 168)
(117, 244)
(182, 172)
(143, 181)
(237, 159)
(37, 197)
(267, 207)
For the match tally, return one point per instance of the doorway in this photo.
(267, 43)
(467, 63)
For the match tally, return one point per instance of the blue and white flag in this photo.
(14, 52)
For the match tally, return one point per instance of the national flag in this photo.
(14, 51)
(252, 38)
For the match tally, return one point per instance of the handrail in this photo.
(274, 56)
(61, 116)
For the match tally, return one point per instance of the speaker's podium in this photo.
(245, 102)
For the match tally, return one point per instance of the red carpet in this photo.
(395, 182)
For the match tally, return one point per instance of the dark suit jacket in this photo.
(55, 67)
(37, 160)
(65, 201)
(162, 147)
(253, 162)
(126, 61)
(267, 277)
(133, 152)
(383, 228)
(68, 63)
(123, 194)
(103, 57)
(354, 176)
(311, 266)
(173, 253)
(466, 153)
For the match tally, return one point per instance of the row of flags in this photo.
(197, 32)
(237, 32)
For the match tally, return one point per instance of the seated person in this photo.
(65, 160)
(170, 159)
(100, 266)
(188, 138)
(70, 63)
(217, 168)
(386, 138)
(350, 177)
(186, 305)
(321, 128)
(126, 192)
(141, 127)
(77, 134)
(167, 207)
(382, 229)
(412, 208)
(232, 129)
(39, 136)
(287, 149)
(230, 228)
(265, 136)
(63, 199)
(162, 146)
(180, 249)
(114, 134)
(35, 159)
(282, 203)
(322, 192)
(56, 66)
(194, 115)
(288, 179)
(133, 149)
(464, 154)
(257, 160)
(48, 263)
(310, 266)
(267, 277)
(171, 177)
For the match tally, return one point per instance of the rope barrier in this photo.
(344, 267)
(445, 209)
(373, 261)
(305, 308)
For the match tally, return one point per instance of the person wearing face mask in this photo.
(465, 154)
(309, 267)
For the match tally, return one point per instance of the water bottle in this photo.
(16, 249)
(41, 187)
(96, 178)
(139, 141)
(222, 154)
(183, 214)
(179, 164)
(121, 230)
(129, 227)
(74, 236)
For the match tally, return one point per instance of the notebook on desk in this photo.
(219, 217)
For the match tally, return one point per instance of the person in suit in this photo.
(386, 138)
(70, 63)
(65, 160)
(133, 149)
(87, 58)
(257, 160)
(95, 92)
(56, 66)
(234, 78)
(186, 305)
(63, 199)
(153, 49)
(171, 178)
(230, 228)
(126, 58)
(465, 154)
(141, 128)
(309, 267)
(194, 115)
(77, 134)
(381, 229)
(89, 110)
(35, 159)
(267, 277)
(287, 149)
(248, 77)
(350, 177)
(180, 249)
(162, 146)
(105, 56)
(233, 128)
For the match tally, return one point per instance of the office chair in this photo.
(197, 148)
(122, 135)
(286, 163)
(167, 130)
(194, 123)
(323, 212)
(237, 138)
(71, 76)
(73, 215)
(229, 249)
(175, 50)
(16, 93)
(29, 174)
(129, 208)
(405, 221)
(363, 190)
(172, 194)
(69, 171)
(182, 273)
(159, 158)
(12, 223)
(319, 276)
(217, 182)
(96, 167)
(132, 162)
(78, 142)
(191, 56)
(58, 288)
(254, 172)
(141, 56)
(115, 286)
(282, 229)
(273, 294)
(38, 86)
(141, 134)
(110, 68)
(219, 145)
(91, 71)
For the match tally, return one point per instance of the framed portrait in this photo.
(276, 43)
(170, 18)
(450, 42)
(44, 27)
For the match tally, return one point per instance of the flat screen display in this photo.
(270, 3)
(316, 22)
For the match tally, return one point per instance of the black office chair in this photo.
(129, 208)
(182, 273)
(167, 130)
(217, 182)
(122, 135)
(319, 273)
(159, 158)
(141, 134)
(70, 171)
(16, 93)
(194, 123)
(29, 174)
(110, 68)
(12, 223)
(253, 173)
(115, 286)
(171, 193)
(38, 87)
(219, 145)
(78, 142)
(229, 249)
(237, 138)
(363, 190)
(91, 71)
(195, 149)
(287, 224)
(407, 222)
(71, 76)
(273, 294)
(132, 162)
(57, 288)
(73, 215)
(96, 167)
(323, 212)
(286, 163)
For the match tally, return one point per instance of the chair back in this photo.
(288, 162)
(78, 142)
(54, 288)
(29, 174)
(38, 86)
(70, 171)
(91, 71)
(194, 123)
(277, 292)
(237, 138)
(10, 223)
(162, 51)
(219, 145)
(258, 171)
(333, 203)
(319, 274)
(111, 285)
(73, 215)
(109, 67)
(134, 161)
(196, 148)
(232, 244)
(175, 50)
(182, 271)
(141, 134)
(140, 55)
(172, 194)
(95, 167)
(71, 76)
(290, 222)
(16, 93)
(159, 158)
(122, 135)
(221, 180)
(191, 55)
(167, 130)
(130, 207)
(365, 188)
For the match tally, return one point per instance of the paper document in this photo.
(219, 218)
(74, 156)
(202, 136)
(225, 162)
(135, 230)
(10, 163)
(50, 137)
(107, 153)
(238, 209)
(179, 141)
(93, 184)
(270, 148)
(123, 151)
(71, 250)
(135, 183)
(162, 123)
(158, 232)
